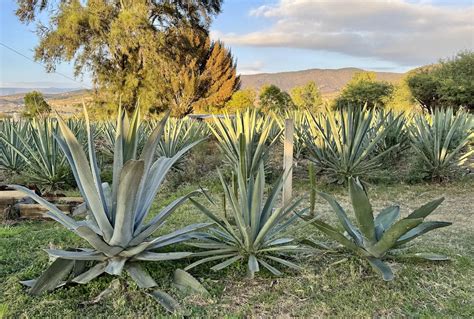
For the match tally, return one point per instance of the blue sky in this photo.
(287, 35)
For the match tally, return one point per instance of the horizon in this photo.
(270, 36)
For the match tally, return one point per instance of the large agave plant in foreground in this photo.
(253, 231)
(383, 236)
(117, 228)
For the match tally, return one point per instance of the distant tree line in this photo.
(447, 84)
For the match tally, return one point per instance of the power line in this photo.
(29, 59)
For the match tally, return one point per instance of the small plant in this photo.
(252, 229)
(117, 228)
(439, 140)
(381, 237)
(343, 143)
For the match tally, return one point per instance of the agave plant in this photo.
(178, 134)
(383, 236)
(255, 230)
(343, 143)
(45, 162)
(440, 139)
(244, 139)
(117, 228)
(10, 132)
(396, 137)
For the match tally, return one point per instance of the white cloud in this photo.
(251, 68)
(402, 32)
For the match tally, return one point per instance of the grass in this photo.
(330, 285)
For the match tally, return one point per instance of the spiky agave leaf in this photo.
(256, 231)
(115, 228)
(375, 238)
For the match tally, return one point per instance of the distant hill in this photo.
(49, 90)
(65, 102)
(330, 81)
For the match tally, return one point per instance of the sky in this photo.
(290, 35)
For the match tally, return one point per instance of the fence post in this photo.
(288, 161)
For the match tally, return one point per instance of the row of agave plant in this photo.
(358, 141)
(354, 142)
(251, 227)
(28, 147)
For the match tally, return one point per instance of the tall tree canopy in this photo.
(272, 98)
(307, 96)
(447, 84)
(241, 100)
(364, 88)
(125, 44)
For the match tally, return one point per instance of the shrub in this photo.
(35, 104)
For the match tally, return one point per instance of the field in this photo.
(240, 150)
(331, 284)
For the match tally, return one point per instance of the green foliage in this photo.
(245, 139)
(449, 84)
(124, 45)
(35, 104)
(117, 227)
(11, 145)
(402, 100)
(383, 236)
(177, 135)
(396, 137)
(198, 74)
(253, 230)
(45, 163)
(439, 140)
(241, 100)
(364, 89)
(343, 143)
(307, 97)
(273, 99)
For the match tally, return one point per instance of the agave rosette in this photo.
(254, 230)
(116, 227)
(383, 236)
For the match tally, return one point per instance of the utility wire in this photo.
(30, 59)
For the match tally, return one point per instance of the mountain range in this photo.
(330, 82)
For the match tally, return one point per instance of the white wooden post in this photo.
(288, 161)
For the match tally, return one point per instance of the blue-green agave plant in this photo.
(384, 236)
(116, 227)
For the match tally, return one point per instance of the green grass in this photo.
(330, 285)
